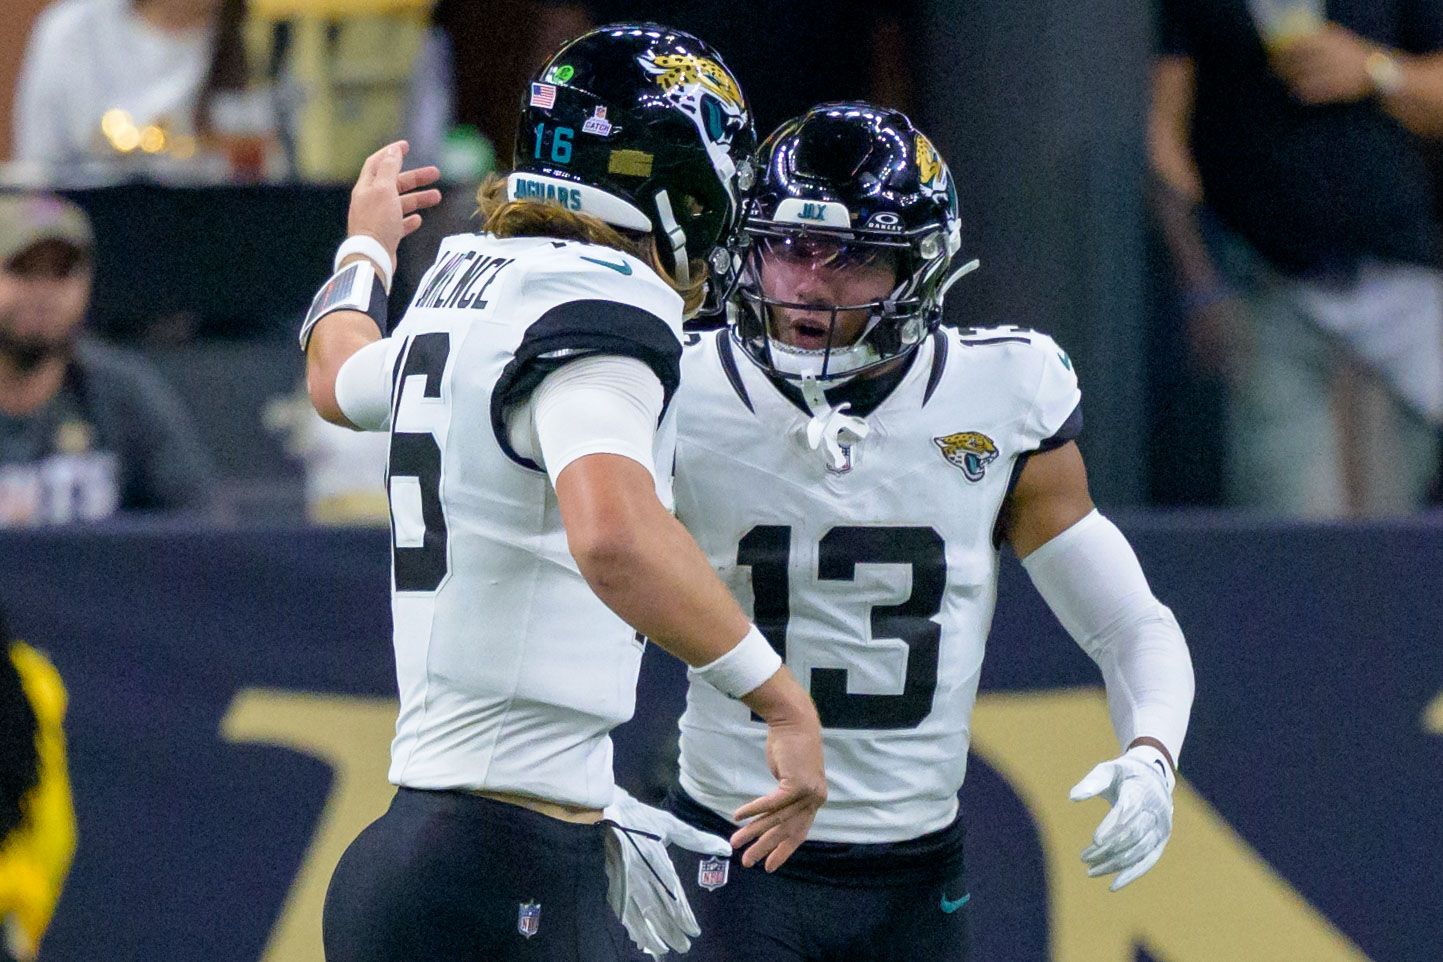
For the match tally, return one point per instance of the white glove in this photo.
(642, 885)
(1131, 838)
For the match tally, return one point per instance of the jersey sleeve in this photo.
(602, 405)
(363, 384)
(591, 301)
(1055, 416)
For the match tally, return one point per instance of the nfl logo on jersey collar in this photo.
(711, 873)
(528, 918)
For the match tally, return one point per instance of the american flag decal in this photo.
(543, 95)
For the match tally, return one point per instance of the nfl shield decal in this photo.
(711, 873)
(528, 918)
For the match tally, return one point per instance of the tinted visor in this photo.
(825, 251)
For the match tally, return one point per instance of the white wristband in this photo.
(368, 246)
(743, 669)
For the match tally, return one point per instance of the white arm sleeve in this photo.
(363, 385)
(605, 404)
(1091, 579)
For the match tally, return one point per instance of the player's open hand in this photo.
(780, 821)
(642, 884)
(1131, 837)
(386, 199)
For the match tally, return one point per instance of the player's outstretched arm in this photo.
(385, 206)
(1089, 576)
(646, 567)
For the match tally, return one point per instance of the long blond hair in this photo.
(531, 218)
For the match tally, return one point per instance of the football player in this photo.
(852, 469)
(527, 394)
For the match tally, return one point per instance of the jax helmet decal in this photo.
(864, 184)
(647, 130)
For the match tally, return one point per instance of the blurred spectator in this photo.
(109, 86)
(85, 430)
(345, 469)
(37, 816)
(1311, 280)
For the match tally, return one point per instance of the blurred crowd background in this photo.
(1226, 210)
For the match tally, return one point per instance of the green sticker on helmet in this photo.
(563, 73)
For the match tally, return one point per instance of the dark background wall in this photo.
(1039, 108)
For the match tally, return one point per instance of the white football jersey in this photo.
(511, 671)
(876, 583)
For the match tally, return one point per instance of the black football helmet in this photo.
(644, 127)
(859, 185)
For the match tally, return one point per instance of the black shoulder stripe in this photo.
(729, 367)
(603, 326)
(995, 340)
(579, 329)
(939, 362)
(1070, 430)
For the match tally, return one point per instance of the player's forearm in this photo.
(643, 564)
(336, 338)
(1169, 126)
(1091, 579)
(1147, 671)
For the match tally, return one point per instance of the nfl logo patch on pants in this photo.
(711, 873)
(528, 918)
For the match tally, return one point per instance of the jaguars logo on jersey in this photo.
(971, 451)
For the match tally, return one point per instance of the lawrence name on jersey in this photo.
(851, 469)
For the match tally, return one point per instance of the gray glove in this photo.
(642, 885)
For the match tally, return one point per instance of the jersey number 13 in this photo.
(767, 550)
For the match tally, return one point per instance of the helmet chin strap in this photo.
(956, 276)
(832, 431)
(681, 269)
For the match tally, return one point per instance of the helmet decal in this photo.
(930, 170)
(682, 73)
(703, 90)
